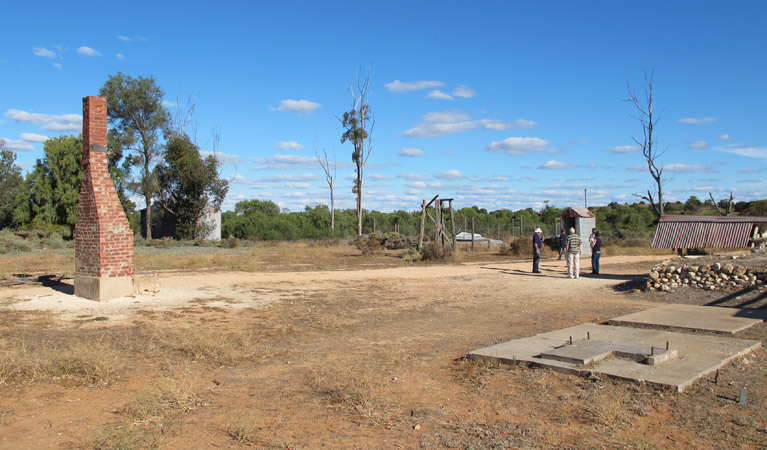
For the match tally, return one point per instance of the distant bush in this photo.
(369, 244)
(396, 241)
(412, 255)
(521, 246)
(435, 252)
(230, 242)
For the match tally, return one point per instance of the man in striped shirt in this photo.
(573, 254)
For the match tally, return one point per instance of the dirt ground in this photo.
(357, 359)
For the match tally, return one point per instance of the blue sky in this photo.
(499, 104)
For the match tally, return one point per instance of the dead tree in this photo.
(649, 147)
(440, 230)
(329, 167)
(358, 123)
(716, 205)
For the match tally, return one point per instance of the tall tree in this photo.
(359, 123)
(55, 181)
(11, 185)
(329, 167)
(188, 183)
(135, 108)
(648, 145)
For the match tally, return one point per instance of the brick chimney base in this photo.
(103, 288)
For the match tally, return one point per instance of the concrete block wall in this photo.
(104, 240)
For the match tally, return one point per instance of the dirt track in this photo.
(367, 359)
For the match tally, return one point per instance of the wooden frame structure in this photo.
(440, 235)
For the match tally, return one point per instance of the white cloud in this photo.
(297, 106)
(124, 38)
(686, 168)
(464, 91)
(298, 185)
(698, 120)
(399, 86)
(377, 177)
(555, 165)
(17, 146)
(437, 124)
(411, 152)
(57, 65)
(439, 95)
(87, 51)
(748, 151)
(520, 145)
(44, 52)
(223, 158)
(34, 137)
(500, 125)
(278, 178)
(285, 162)
(169, 104)
(120, 56)
(450, 175)
(288, 145)
(698, 145)
(416, 184)
(623, 149)
(238, 179)
(412, 176)
(64, 122)
(637, 168)
(724, 137)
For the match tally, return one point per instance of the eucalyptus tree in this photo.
(135, 109)
(358, 124)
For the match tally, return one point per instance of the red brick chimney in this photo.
(103, 238)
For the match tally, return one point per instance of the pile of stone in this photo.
(666, 276)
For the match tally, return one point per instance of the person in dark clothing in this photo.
(596, 253)
(562, 243)
(537, 247)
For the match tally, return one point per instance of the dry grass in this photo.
(209, 343)
(175, 394)
(92, 363)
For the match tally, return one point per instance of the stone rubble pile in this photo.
(666, 276)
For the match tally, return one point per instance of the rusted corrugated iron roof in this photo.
(677, 231)
(577, 211)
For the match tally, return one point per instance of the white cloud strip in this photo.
(400, 86)
(297, 106)
(64, 122)
(697, 121)
(87, 51)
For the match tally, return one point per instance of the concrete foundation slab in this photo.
(675, 317)
(696, 355)
(103, 288)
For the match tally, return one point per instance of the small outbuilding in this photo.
(680, 231)
(583, 221)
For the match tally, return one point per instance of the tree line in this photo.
(149, 154)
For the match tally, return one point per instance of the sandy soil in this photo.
(365, 359)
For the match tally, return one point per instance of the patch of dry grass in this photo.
(209, 343)
(176, 393)
(92, 363)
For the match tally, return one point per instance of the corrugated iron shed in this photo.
(678, 231)
(577, 211)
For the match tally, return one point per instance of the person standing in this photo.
(573, 254)
(596, 253)
(562, 243)
(537, 247)
(592, 238)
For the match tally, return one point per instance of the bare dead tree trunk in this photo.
(330, 175)
(722, 212)
(649, 147)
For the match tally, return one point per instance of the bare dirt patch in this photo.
(367, 358)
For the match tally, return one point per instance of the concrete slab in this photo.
(675, 317)
(590, 351)
(696, 355)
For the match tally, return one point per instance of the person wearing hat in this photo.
(537, 247)
(573, 254)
